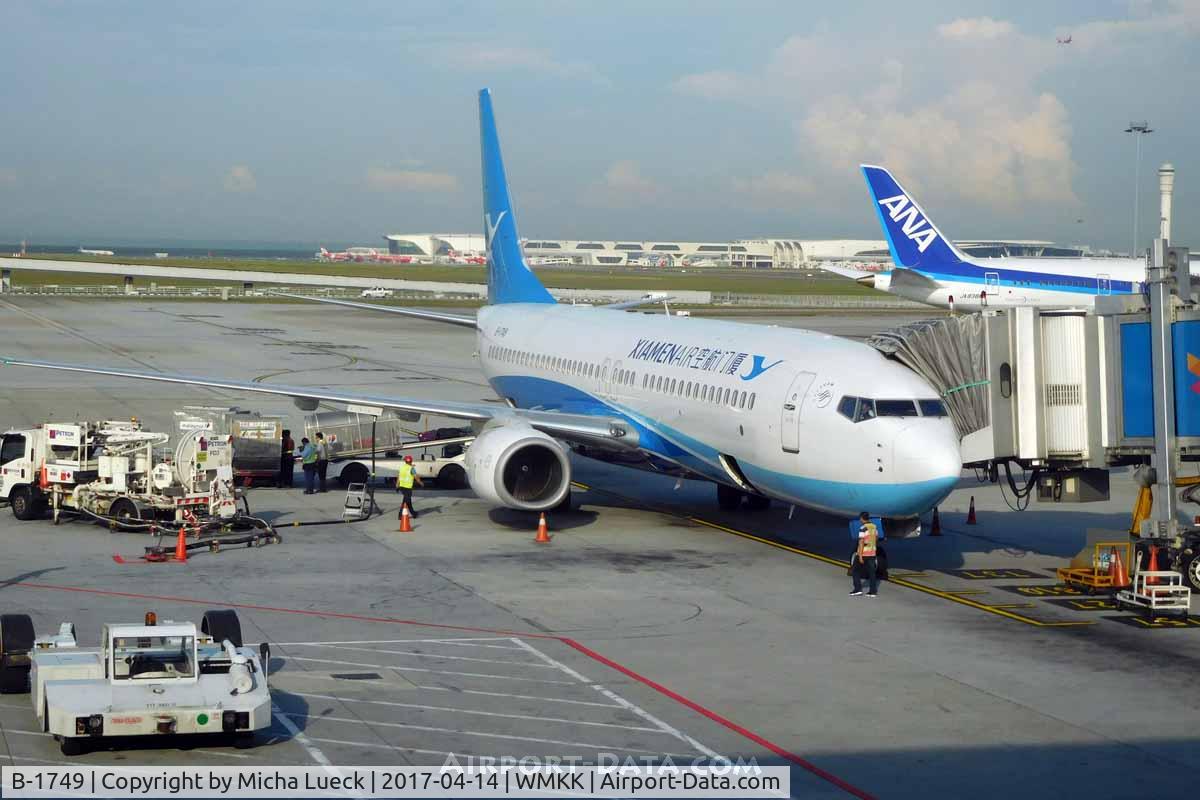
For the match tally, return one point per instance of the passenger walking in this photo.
(865, 561)
(308, 460)
(322, 458)
(404, 484)
(287, 459)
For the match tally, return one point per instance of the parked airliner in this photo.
(928, 268)
(762, 412)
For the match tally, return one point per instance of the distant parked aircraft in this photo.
(1064, 39)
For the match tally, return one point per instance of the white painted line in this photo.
(478, 713)
(605, 748)
(398, 668)
(314, 752)
(641, 712)
(463, 642)
(519, 696)
(437, 655)
(397, 748)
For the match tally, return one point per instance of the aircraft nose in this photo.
(927, 461)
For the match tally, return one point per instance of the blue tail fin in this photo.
(509, 279)
(914, 240)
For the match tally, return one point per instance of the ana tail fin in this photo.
(914, 240)
(509, 279)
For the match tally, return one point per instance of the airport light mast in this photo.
(1138, 129)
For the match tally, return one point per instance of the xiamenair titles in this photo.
(715, 360)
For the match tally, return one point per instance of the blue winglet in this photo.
(509, 278)
(914, 240)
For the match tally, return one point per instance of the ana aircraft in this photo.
(927, 267)
(764, 413)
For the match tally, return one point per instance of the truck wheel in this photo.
(728, 498)
(123, 511)
(222, 625)
(452, 477)
(1190, 567)
(16, 640)
(22, 502)
(71, 746)
(353, 473)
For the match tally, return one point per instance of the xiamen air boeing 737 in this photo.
(764, 413)
(928, 268)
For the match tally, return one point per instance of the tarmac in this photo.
(653, 624)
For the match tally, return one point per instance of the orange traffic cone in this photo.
(543, 532)
(181, 544)
(1153, 564)
(43, 478)
(971, 512)
(935, 527)
(405, 519)
(1117, 571)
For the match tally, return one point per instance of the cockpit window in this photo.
(896, 408)
(846, 407)
(932, 408)
(866, 410)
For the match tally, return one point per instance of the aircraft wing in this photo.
(419, 313)
(613, 432)
(846, 272)
(641, 301)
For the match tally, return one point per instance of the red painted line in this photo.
(720, 720)
(577, 646)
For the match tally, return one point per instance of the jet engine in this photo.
(515, 466)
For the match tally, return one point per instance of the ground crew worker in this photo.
(308, 459)
(287, 459)
(404, 484)
(322, 458)
(865, 557)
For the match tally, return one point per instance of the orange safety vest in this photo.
(868, 541)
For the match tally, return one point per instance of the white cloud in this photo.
(1175, 17)
(977, 28)
(381, 179)
(625, 178)
(776, 189)
(239, 178)
(959, 112)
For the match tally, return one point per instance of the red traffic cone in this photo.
(181, 544)
(1117, 571)
(971, 512)
(43, 479)
(1153, 567)
(935, 526)
(405, 519)
(543, 531)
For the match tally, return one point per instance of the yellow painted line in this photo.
(912, 575)
(961, 592)
(846, 565)
(1013, 605)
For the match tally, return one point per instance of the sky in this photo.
(339, 122)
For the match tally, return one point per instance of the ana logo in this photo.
(824, 394)
(757, 368)
(904, 213)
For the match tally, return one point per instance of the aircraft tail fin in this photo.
(915, 242)
(509, 278)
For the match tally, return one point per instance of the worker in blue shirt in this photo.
(308, 460)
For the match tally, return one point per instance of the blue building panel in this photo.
(1137, 395)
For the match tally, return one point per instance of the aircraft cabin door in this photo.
(793, 404)
(1103, 284)
(604, 376)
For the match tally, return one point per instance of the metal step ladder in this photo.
(359, 502)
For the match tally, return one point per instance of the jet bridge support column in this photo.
(1163, 283)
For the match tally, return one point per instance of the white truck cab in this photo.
(145, 679)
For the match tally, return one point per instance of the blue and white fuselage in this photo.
(768, 410)
(927, 267)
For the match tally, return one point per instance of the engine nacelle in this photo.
(515, 466)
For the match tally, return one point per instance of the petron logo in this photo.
(905, 214)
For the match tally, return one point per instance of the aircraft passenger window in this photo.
(726, 400)
(671, 388)
(895, 408)
(742, 400)
(752, 396)
(932, 408)
(866, 410)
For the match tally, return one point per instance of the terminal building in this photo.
(738, 254)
